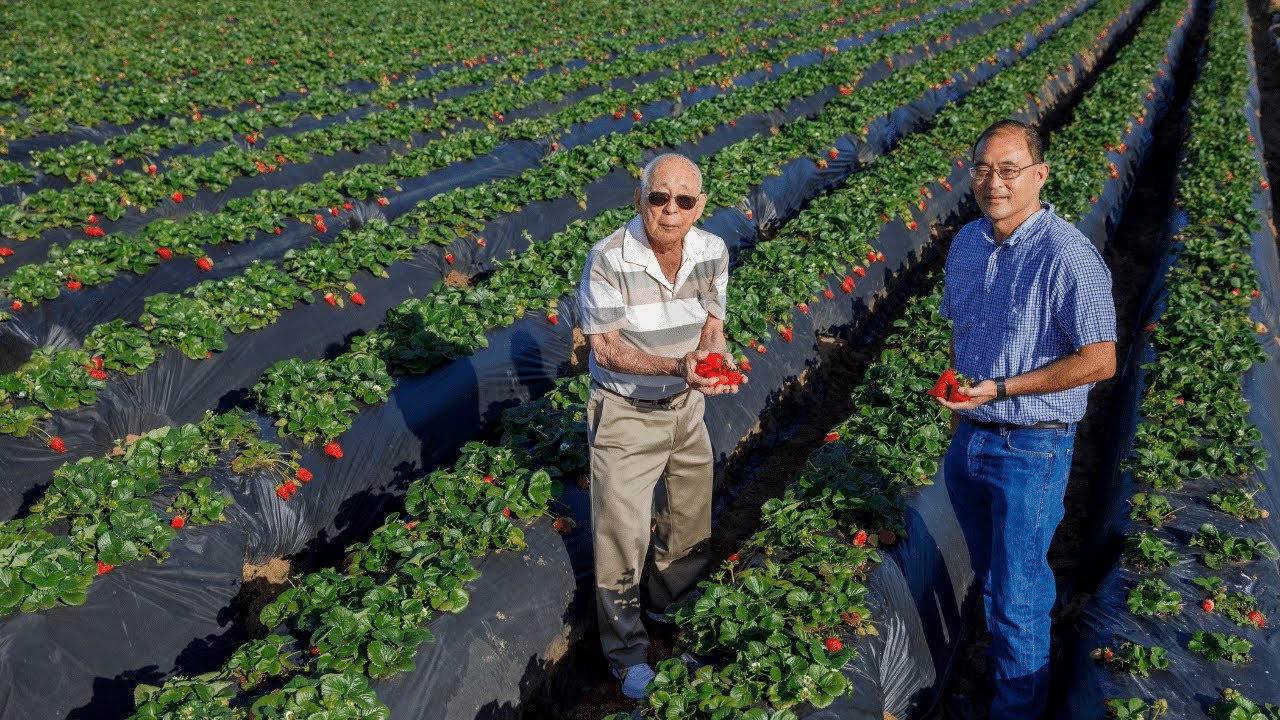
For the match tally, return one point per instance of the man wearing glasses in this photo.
(1033, 321)
(653, 301)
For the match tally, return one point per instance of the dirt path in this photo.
(1267, 57)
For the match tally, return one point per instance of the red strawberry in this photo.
(329, 298)
(822, 164)
(5, 251)
(480, 242)
(1254, 293)
(304, 475)
(1207, 604)
(1108, 654)
(278, 230)
(177, 522)
(880, 256)
(847, 284)
(93, 219)
(555, 319)
(851, 619)
(1257, 618)
(734, 558)
(205, 263)
(860, 538)
(860, 271)
(164, 253)
(94, 231)
(785, 333)
(912, 226)
(290, 487)
(17, 305)
(315, 650)
(564, 525)
(834, 644)
(177, 196)
(57, 445)
(321, 227)
(347, 206)
(833, 153)
(383, 201)
(104, 568)
(357, 298)
(282, 493)
(448, 257)
(1150, 328)
(97, 362)
(97, 374)
(831, 437)
(828, 293)
(74, 285)
(506, 511)
(804, 307)
(488, 479)
(636, 115)
(333, 449)
(746, 366)
(151, 169)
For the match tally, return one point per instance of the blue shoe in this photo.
(635, 680)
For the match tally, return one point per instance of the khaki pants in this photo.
(633, 444)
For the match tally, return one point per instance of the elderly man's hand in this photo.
(979, 394)
(706, 386)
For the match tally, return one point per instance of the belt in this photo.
(665, 402)
(1005, 427)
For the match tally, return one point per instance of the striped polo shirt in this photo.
(623, 289)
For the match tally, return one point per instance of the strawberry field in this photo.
(295, 282)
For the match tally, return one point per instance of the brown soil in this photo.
(581, 352)
(260, 586)
(458, 280)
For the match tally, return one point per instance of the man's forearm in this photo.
(1092, 363)
(622, 358)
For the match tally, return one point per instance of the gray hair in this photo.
(646, 177)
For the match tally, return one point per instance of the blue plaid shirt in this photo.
(1020, 305)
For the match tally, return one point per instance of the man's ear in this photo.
(635, 194)
(1042, 174)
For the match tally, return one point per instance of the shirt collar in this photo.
(636, 250)
(1027, 226)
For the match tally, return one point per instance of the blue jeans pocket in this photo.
(1033, 443)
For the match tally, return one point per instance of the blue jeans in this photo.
(1007, 488)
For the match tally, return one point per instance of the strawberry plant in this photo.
(1148, 552)
(203, 696)
(121, 346)
(1137, 709)
(1238, 607)
(199, 503)
(1154, 597)
(1233, 705)
(185, 323)
(1220, 549)
(1132, 658)
(1238, 503)
(1151, 507)
(261, 659)
(1220, 646)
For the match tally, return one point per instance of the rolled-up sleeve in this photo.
(1082, 302)
(717, 300)
(599, 297)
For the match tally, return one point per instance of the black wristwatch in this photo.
(1000, 390)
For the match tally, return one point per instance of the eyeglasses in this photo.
(981, 172)
(660, 199)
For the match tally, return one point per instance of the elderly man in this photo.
(1032, 317)
(653, 302)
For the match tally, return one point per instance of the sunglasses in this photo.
(660, 199)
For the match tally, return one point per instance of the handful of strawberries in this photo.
(713, 366)
(948, 387)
